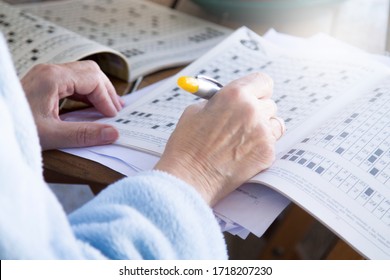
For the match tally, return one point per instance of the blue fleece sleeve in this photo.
(152, 215)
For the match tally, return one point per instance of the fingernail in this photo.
(109, 134)
(114, 110)
(121, 104)
(121, 101)
(118, 106)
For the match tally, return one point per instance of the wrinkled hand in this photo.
(46, 84)
(220, 144)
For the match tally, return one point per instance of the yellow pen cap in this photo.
(189, 84)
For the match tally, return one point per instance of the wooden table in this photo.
(362, 23)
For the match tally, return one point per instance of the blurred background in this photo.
(258, 9)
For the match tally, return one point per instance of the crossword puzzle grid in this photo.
(30, 38)
(103, 20)
(135, 28)
(157, 119)
(297, 91)
(361, 135)
(23, 31)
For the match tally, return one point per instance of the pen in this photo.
(200, 85)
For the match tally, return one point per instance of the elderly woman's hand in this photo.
(46, 84)
(220, 144)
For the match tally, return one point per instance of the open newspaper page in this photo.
(341, 172)
(151, 36)
(309, 92)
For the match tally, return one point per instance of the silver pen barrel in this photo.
(207, 87)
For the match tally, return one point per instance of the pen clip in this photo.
(209, 79)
